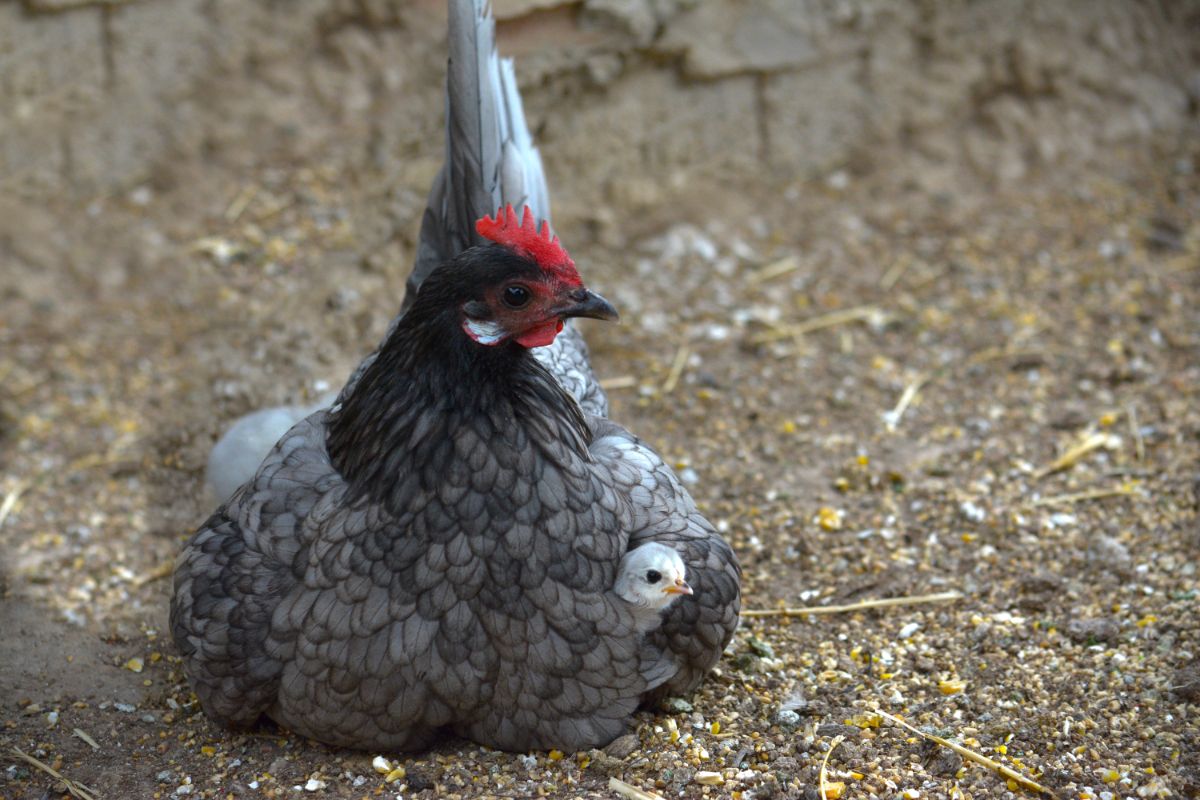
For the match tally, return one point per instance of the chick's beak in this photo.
(585, 303)
(679, 587)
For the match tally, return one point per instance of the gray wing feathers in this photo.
(695, 629)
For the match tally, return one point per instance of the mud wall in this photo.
(630, 95)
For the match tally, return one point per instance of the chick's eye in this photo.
(516, 296)
(653, 576)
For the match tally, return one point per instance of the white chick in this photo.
(650, 578)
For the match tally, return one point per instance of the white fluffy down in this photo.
(241, 449)
(651, 577)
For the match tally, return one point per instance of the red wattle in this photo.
(542, 335)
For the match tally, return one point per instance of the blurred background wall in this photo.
(636, 97)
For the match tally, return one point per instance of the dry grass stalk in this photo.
(823, 782)
(1135, 430)
(619, 382)
(632, 792)
(885, 602)
(681, 357)
(10, 500)
(1079, 497)
(83, 735)
(1092, 442)
(892, 418)
(910, 393)
(158, 573)
(970, 755)
(775, 269)
(75, 788)
(239, 202)
(829, 320)
(895, 272)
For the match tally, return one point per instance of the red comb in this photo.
(525, 238)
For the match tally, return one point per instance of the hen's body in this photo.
(437, 551)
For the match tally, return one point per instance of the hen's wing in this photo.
(695, 629)
(232, 573)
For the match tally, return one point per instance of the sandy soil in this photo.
(876, 388)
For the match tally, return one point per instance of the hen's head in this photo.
(651, 576)
(524, 286)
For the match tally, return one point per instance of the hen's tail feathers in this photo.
(490, 156)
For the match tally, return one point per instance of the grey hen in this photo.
(438, 551)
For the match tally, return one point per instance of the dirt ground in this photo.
(875, 386)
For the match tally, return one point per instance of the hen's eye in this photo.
(516, 296)
(653, 576)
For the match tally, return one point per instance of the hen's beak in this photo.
(679, 587)
(586, 303)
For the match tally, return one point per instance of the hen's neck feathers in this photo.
(428, 381)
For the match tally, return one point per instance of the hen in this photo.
(439, 550)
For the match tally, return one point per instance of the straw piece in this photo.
(1078, 497)
(971, 755)
(10, 500)
(824, 783)
(73, 787)
(1092, 442)
(886, 602)
(681, 357)
(83, 735)
(632, 792)
(619, 382)
(775, 269)
(818, 323)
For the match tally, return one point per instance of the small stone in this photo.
(786, 718)
(1110, 554)
(166, 776)
(677, 705)
(624, 746)
(418, 782)
(1185, 683)
(972, 512)
(709, 778)
(314, 785)
(837, 729)
(1092, 630)
(760, 648)
(946, 763)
